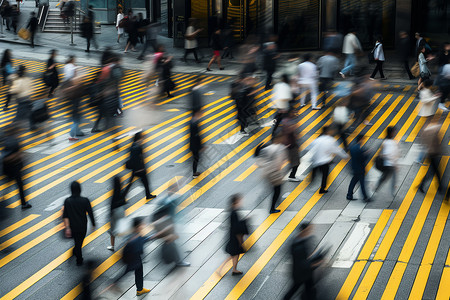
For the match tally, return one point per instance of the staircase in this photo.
(54, 22)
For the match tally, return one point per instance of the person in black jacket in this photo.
(358, 162)
(195, 142)
(137, 165)
(117, 211)
(404, 52)
(216, 45)
(32, 26)
(302, 266)
(132, 256)
(270, 57)
(13, 162)
(75, 220)
(53, 78)
(87, 31)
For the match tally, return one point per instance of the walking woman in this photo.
(378, 55)
(238, 228)
(52, 73)
(390, 154)
(423, 67)
(119, 29)
(7, 71)
(117, 211)
(21, 89)
(216, 45)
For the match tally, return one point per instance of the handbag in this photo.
(371, 55)
(415, 70)
(24, 33)
(39, 112)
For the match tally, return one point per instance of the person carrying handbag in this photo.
(378, 56)
(390, 154)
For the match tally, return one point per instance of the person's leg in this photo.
(352, 63)
(32, 39)
(324, 168)
(276, 195)
(78, 238)
(380, 68)
(139, 277)
(196, 158)
(375, 71)
(362, 183)
(144, 179)
(351, 186)
(219, 61)
(434, 164)
(269, 74)
(292, 290)
(19, 182)
(309, 291)
(408, 71)
(8, 99)
(346, 64)
(186, 52)
(127, 189)
(211, 62)
(293, 172)
(303, 90)
(313, 89)
(394, 180)
(88, 41)
(235, 260)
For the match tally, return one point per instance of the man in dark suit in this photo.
(75, 220)
(358, 162)
(195, 142)
(404, 52)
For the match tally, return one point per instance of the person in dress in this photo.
(117, 211)
(118, 19)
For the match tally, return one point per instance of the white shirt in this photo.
(282, 95)
(427, 101)
(390, 152)
(379, 53)
(190, 44)
(351, 43)
(119, 18)
(324, 149)
(307, 73)
(446, 71)
(69, 71)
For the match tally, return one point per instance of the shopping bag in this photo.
(24, 34)
(415, 70)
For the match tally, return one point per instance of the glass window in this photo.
(298, 24)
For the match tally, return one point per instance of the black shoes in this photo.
(151, 196)
(274, 211)
(26, 206)
(323, 191)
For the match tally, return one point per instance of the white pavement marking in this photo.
(412, 155)
(350, 250)
(57, 204)
(334, 238)
(233, 139)
(352, 211)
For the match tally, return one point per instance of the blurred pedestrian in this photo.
(237, 95)
(75, 220)
(164, 68)
(87, 31)
(216, 46)
(32, 27)
(74, 92)
(302, 265)
(86, 281)
(131, 29)
(13, 162)
(119, 29)
(238, 229)
(190, 40)
(14, 18)
(141, 25)
(195, 142)
(151, 35)
(340, 119)
(282, 95)
(428, 100)
(360, 97)
(328, 66)
(271, 159)
(52, 73)
(70, 70)
(131, 256)
(270, 56)
(420, 43)
(7, 71)
(197, 95)
(6, 14)
(389, 154)
(351, 47)
(405, 52)
(432, 141)
(444, 84)
(378, 55)
(359, 158)
(308, 75)
(444, 56)
(324, 148)
(423, 66)
(289, 130)
(117, 211)
(228, 42)
(136, 164)
(21, 90)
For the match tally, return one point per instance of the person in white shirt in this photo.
(324, 149)
(308, 80)
(69, 69)
(428, 100)
(282, 94)
(378, 55)
(390, 154)
(118, 19)
(350, 47)
(190, 40)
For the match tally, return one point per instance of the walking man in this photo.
(308, 81)
(404, 52)
(350, 48)
(328, 66)
(195, 142)
(75, 220)
(32, 26)
(358, 163)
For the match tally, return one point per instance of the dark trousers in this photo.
(276, 195)
(88, 41)
(269, 74)
(388, 171)
(18, 178)
(32, 34)
(278, 118)
(78, 237)
(242, 118)
(361, 178)
(109, 119)
(8, 99)
(293, 172)
(138, 276)
(143, 176)
(324, 169)
(227, 52)
(196, 158)
(343, 135)
(406, 66)
(309, 292)
(378, 67)
(434, 170)
(187, 51)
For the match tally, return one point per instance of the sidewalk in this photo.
(46, 41)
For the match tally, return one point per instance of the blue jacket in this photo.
(359, 159)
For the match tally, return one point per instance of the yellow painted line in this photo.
(430, 253)
(226, 78)
(412, 136)
(247, 172)
(366, 284)
(444, 288)
(172, 109)
(385, 115)
(351, 280)
(228, 135)
(411, 241)
(398, 115)
(18, 224)
(407, 88)
(375, 235)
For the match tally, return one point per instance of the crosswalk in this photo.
(402, 250)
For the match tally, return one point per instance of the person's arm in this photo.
(90, 212)
(338, 151)
(67, 231)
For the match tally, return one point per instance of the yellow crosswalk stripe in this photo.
(18, 224)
